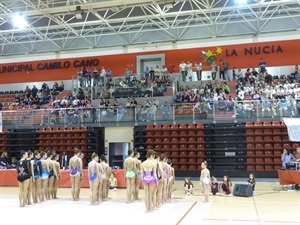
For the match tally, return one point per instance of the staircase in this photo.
(169, 92)
(63, 93)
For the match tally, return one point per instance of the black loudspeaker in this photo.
(243, 190)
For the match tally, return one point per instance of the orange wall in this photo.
(278, 53)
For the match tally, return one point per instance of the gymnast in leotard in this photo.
(45, 175)
(93, 176)
(23, 178)
(160, 183)
(104, 168)
(171, 180)
(57, 175)
(137, 181)
(130, 173)
(52, 174)
(149, 179)
(37, 171)
(76, 172)
(165, 178)
(205, 180)
(31, 180)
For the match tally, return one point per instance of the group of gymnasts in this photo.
(38, 176)
(99, 174)
(157, 176)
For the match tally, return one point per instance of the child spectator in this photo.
(226, 186)
(214, 186)
(188, 185)
(113, 182)
(251, 181)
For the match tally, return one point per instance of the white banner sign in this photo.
(293, 126)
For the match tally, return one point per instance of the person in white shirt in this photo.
(183, 70)
(164, 71)
(102, 76)
(157, 72)
(241, 94)
(198, 66)
(189, 70)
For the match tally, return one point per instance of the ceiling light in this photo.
(169, 6)
(19, 21)
(78, 13)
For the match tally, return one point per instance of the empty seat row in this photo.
(62, 148)
(62, 129)
(175, 133)
(174, 126)
(275, 138)
(267, 131)
(175, 140)
(174, 147)
(271, 146)
(263, 167)
(61, 142)
(265, 124)
(264, 160)
(61, 135)
(187, 167)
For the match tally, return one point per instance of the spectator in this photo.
(226, 186)
(113, 182)
(61, 86)
(262, 66)
(102, 76)
(214, 70)
(233, 73)
(128, 75)
(203, 109)
(120, 112)
(34, 90)
(166, 111)
(55, 88)
(226, 88)
(214, 186)
(226, 68)
(188, 186)
(254, 72)
(287, 159)
(251, 182)
(3, 160)
(183, 70)
(164, 72)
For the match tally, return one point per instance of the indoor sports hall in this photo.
(166, 112)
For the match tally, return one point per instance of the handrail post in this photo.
(174, 122)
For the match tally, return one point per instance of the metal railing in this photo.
(110, 86)
(205, 112)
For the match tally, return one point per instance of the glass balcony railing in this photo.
(205, 112)
(121, 86)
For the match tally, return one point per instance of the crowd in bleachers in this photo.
(30, 97)
(256, 92)
(128, 85)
